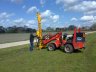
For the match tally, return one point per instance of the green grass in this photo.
(19, 59)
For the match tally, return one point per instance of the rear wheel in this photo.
(68, 48)
(51, 47)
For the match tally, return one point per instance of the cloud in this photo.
(74, 19)
(87, 18)
(22, 22)
(5, 18)
(6, 21)
(31, 21)
(49, 15)
(66, 2)
(46, 13)
(19, 21)
(55, 18)
(5, 15)
(85, 6)
(88, 6)
(44, 20)
(32, 9)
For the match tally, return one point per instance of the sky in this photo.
(54, 13)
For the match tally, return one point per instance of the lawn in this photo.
(19, 59)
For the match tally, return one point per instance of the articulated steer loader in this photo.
(58, 40)
(76, 41)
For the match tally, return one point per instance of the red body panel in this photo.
(56, 37)
(78, 45)
(57, 43)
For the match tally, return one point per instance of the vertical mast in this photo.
(39, 25)
(39, 31)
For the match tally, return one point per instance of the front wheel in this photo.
(68, 48)
(51, 47)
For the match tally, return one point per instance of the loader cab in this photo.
(75, 41)
(64, 36)
(80, 37)
(79, 40)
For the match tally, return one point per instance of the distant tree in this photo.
(57, 29)
(85, 28)
(93, 27)
(2, 29)
(71, 27)
(15, 29)
(60, 29)
(30, 30)
(20, 29)
(12, 29)
(49, 29)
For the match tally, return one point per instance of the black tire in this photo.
(68, 48)
(51, 47)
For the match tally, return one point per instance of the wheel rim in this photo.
(50, 48)
(67, 49)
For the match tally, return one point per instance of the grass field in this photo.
(19, 59)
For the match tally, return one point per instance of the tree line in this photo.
(71, 27)
(15, 29)
(25, 29)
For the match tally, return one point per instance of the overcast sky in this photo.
(55, 13)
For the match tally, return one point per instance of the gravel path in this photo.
(7, 45)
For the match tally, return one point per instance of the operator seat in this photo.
(64, 36)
